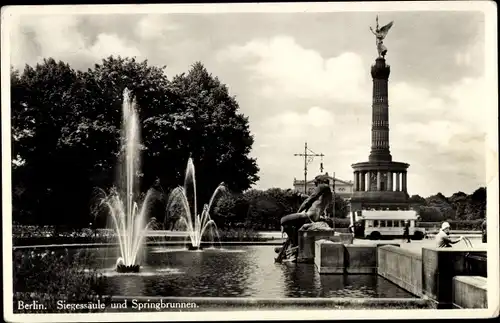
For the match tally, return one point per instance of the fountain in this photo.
(128, 217)
(196, 224)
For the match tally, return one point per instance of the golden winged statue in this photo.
(380, 34)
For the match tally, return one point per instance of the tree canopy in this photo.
(66, 134)
(66, 143)
(263, 209)
(459, 206)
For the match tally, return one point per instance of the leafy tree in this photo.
(459, 206)
(430, 214)
(476, 206)
(41, 106)
(100, 106)
(341, 208)
(218, 136)
(67, 130)
(479, 195)
(264, 213)
(262, 210)
(417, 200)
(458, 201)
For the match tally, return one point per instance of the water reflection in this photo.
(247, 272)
(300, 280)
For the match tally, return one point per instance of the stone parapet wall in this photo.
(360, 259)
(440, 266)
(470, 292)
(339, 258)
(308, 238)
(402, 267)
(329, 257)
(444, 276)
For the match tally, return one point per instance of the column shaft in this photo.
(389, 181)
(397, 182)
(404, 182)
(379, 181)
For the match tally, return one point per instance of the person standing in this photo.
(351, 229)
(406, 232)
(443, 239)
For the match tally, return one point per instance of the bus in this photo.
(389, 224)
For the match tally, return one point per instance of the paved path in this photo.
(426, 243)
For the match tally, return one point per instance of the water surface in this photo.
(239, 271)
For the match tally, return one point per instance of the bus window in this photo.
(375, 223)
(369, 224)
(382, 223)
(402, 223)
(396, 223)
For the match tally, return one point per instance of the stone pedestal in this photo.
(306, 243)
(360, 259)
(308, 238)
(470, 292)
(338, 258)
(329, 257)
(439, 266)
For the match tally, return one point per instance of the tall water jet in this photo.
(185, 197)
(128, 217)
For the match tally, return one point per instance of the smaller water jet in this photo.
(197, 225)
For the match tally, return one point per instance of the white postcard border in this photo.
(491, 60)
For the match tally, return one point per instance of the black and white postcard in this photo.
(274, 161)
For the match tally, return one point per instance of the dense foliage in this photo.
(48, 277)
(468, 225)
(459, 206)
(262, 210)
(66, 133)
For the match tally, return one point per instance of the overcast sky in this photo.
(305, 77)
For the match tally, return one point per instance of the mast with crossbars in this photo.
(308, 157)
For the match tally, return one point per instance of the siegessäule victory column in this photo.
(380, 184)
(377, 172)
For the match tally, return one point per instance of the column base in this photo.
(380, 156)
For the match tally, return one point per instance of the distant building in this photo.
(343, 188)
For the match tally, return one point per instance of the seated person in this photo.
(442, 238)
(310, 211)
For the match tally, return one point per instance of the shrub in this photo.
(241, 234)
(454, 224)
(48, 276)
(466, 224)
